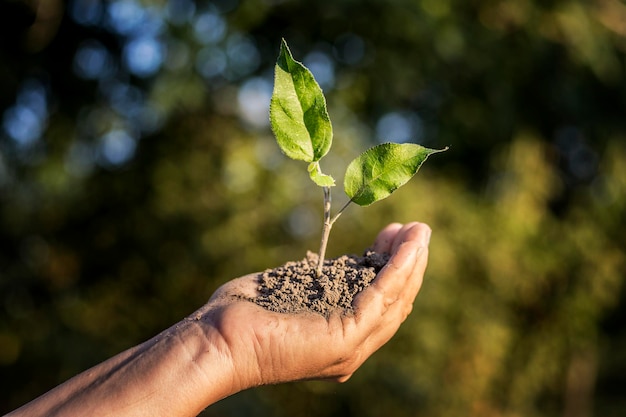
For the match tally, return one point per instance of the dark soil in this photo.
(293, 287)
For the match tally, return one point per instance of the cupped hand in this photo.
(267, 347)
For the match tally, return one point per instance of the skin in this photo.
(230, 345)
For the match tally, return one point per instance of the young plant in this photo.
(302, 127)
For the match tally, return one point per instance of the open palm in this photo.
(268, 347)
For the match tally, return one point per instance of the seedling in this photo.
(302, 127)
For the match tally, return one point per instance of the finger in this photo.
(411, 240)
(398, 275)
(373, 301)
(417, 232)
(385, 238)
(401, 309)
(397, 312)
(392, 280)
(411, 231)
(414, 283)
(417, 276)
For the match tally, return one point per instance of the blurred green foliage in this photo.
(138, 173)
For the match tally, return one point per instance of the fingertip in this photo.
(422, 233)
(386, 237)
(414, 231)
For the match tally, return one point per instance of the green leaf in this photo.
(382, 169)
(318, 177)
(298, 113)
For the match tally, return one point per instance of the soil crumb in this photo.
(293, 287)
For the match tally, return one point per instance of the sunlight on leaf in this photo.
(382, 169)
(298, 113)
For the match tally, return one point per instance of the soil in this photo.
(293, 287)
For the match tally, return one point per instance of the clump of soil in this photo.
(294, 287)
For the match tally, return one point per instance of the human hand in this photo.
(267, 347)
(232, 344)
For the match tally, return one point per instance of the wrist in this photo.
(226, 360)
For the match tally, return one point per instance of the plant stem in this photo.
(328, 224)
(340, 211)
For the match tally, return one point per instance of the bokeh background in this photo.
(138, 173)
